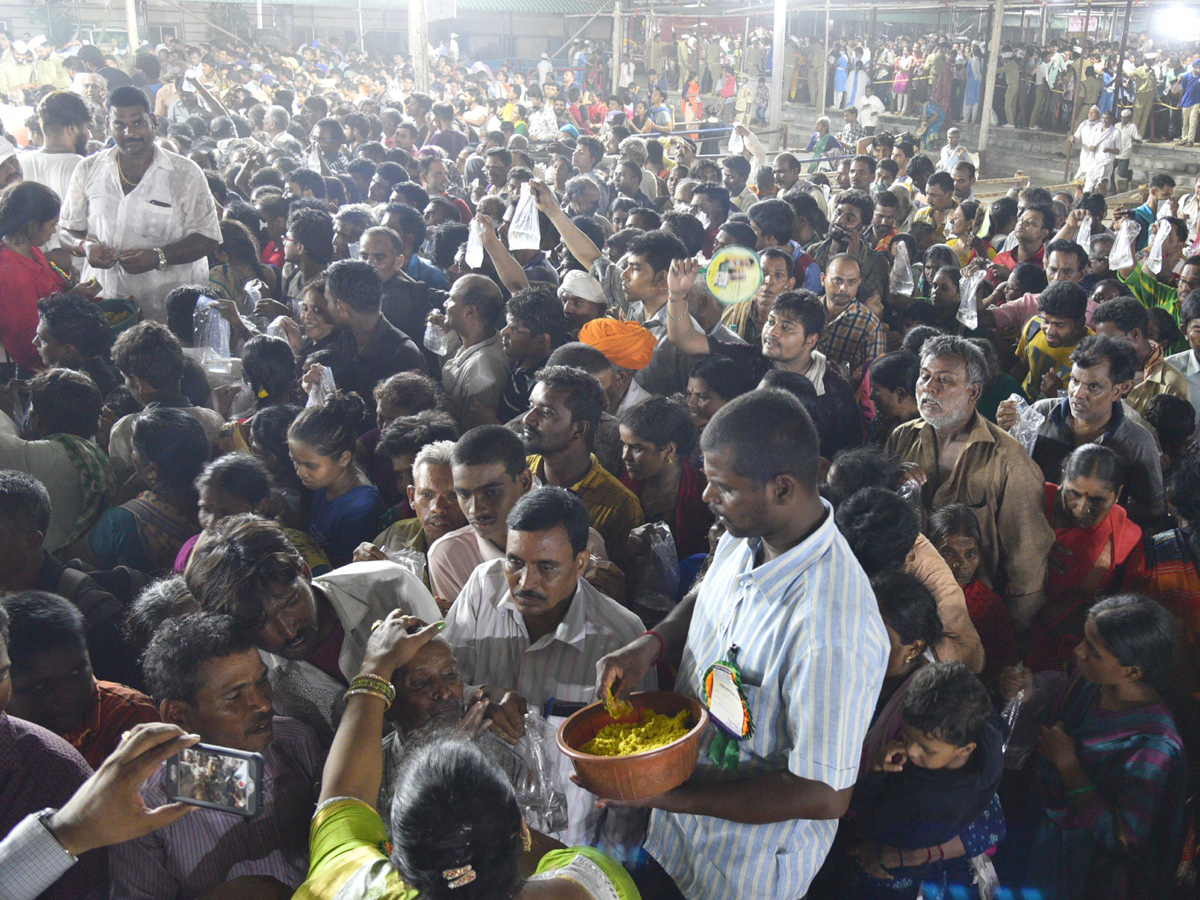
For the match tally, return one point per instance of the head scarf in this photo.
(626, 344)
(581, 284)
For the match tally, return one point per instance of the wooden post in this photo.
(823, 83)
(989, 90)
(618, 39)
(418, 44)
(1121, 61)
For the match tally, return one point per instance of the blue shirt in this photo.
(1191, 90)
(423, 270)
(340, 525)
(813, 651)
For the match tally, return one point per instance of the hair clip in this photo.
(459, 877)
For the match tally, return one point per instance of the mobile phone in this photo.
(216, 778)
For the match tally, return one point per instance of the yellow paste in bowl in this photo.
(654, 731)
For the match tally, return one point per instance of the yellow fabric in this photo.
(626, 344)
(347, 837)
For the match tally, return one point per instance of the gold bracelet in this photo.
(374, 683)
(368, 693)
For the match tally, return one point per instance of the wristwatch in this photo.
(162, 259)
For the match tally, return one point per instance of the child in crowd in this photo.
(929, 787)
(954, 530)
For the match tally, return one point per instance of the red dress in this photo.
(24, 281)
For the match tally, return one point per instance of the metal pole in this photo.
(418, 44)
(989, 90)
(618, 43)
(1121, 60)
(823, 83)
(258, 9)
(778, 46)
(578, 31)
(1087, 22)
(1044, 24)
(362, 34)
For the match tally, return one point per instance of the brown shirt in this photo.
(1005, 489)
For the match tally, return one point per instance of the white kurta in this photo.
(171, 202)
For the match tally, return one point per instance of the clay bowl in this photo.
(638, 775)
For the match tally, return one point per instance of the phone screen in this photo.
(217, 778)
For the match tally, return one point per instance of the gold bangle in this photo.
(368, 693)
(374, 683)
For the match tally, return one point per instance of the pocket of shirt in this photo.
(154, 223)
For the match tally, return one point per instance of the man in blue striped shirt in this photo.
(786, 600)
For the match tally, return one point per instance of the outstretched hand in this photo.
(682, 276)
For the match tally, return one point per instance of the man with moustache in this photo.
(65, 129)
(206, 676)
(960, 457)
(528, 629)
(142, 218)
(312, 632)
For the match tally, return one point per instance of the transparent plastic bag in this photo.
(984, 875)
(659, 585)
(524, 233)
(1164, 209)
(543, 795)
(901, 279)
(435, 339)
(474, 254)
(1084, 237)
(968, 289)
(1029, 422)
(1121, 255)
(1154, 262)
(210, 332)
(319, 393)
(412, 560)
(736, 144)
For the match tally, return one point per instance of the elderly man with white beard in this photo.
(957, 456)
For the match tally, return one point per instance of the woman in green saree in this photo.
(457, 828)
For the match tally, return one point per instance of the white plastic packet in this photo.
(210, 331)
(1029, 421)
(474, 254)
(524, 233)
(736, 144)
(319, 392)
(968, 288)
(1164, 209)
(1121, 255)
(1154, 262)
(1084, 236)
(412, 560)
(901, 279)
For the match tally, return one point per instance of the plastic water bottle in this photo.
(435, 339)
(253, 295)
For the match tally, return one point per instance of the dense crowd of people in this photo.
(368, 433)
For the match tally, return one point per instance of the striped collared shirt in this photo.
(812, 651)
(492, 646)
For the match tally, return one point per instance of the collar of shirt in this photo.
(570, 631)
(465, 353)
(1186, 362)
(1059, 419)
(773, 577)
(978, 434)
(538, 465)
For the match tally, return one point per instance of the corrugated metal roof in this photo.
(535, 7)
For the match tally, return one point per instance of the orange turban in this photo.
(626, 344)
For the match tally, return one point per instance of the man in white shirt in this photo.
(144, 219)
(1189, 211)
(544, 69)
(312, 632)
(1098, 145)
(65, 119)
(1128, 136)
(528, 629)
(869, 111)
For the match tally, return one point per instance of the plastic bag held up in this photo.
(524, 233)
(319, 393)
(543, 796)
(1029, 421)
(412, 560)
(967, 313)
(901, 280)
(1154, 262)
(1084, 237)
(474, 255)
(1121, 256)
(658, 589)
(211, 332)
